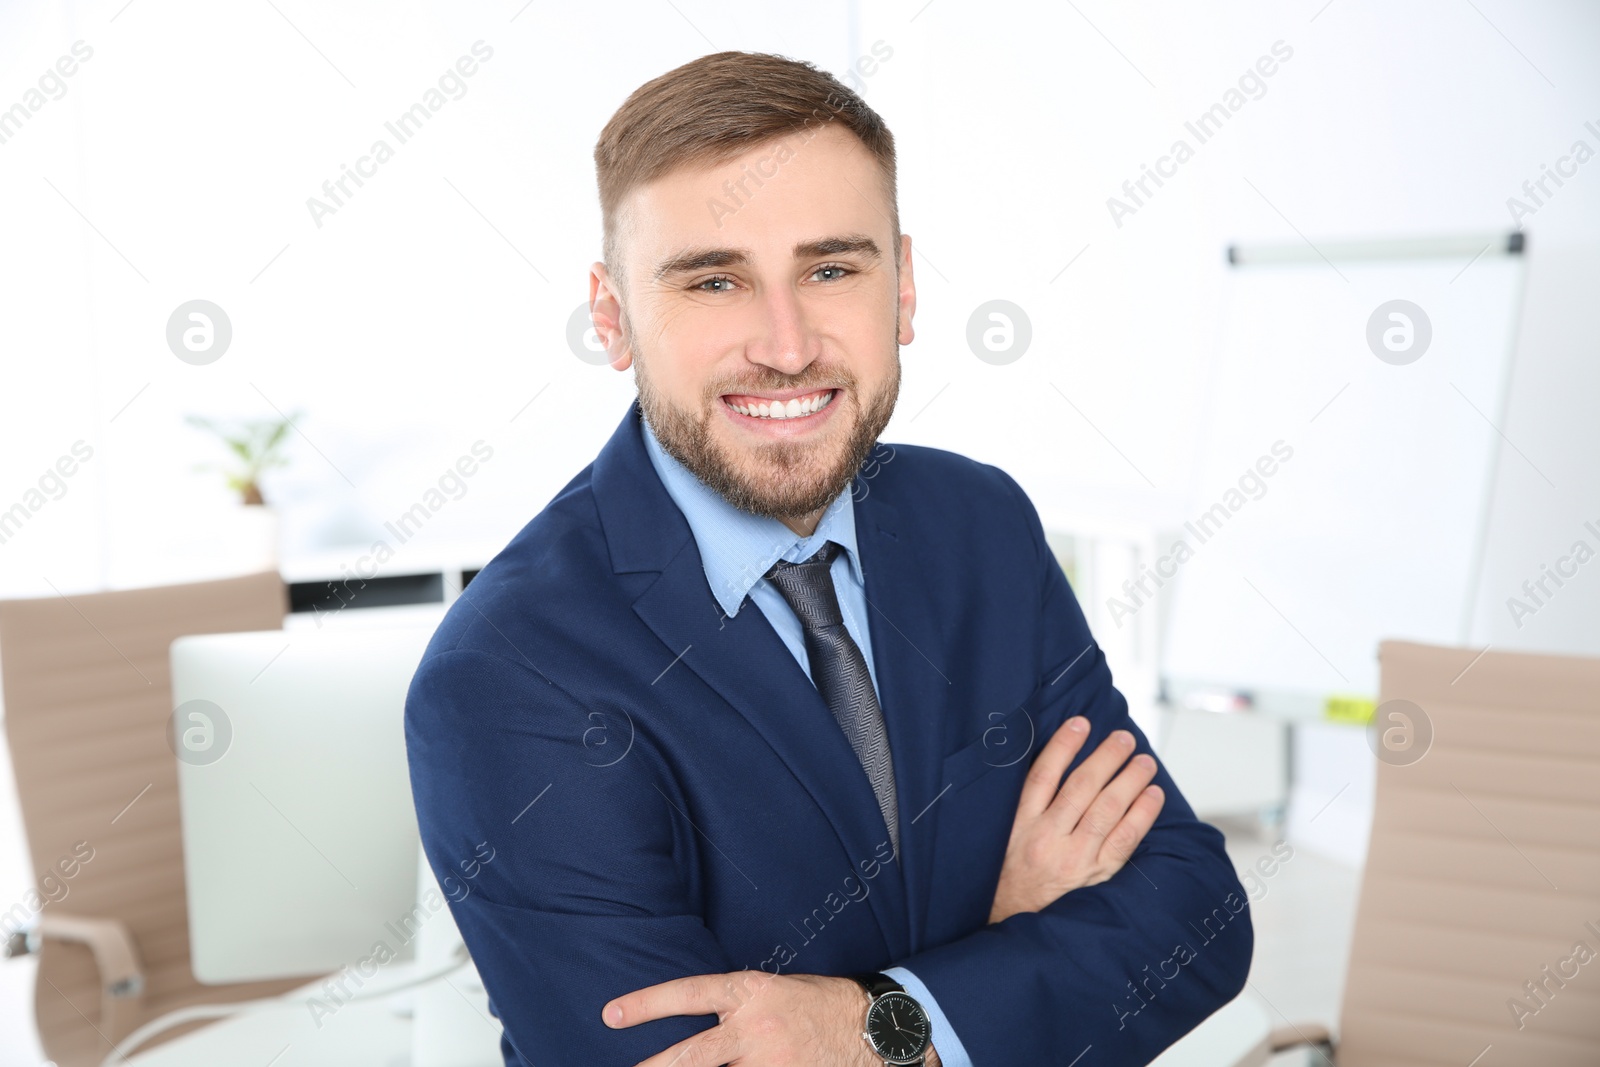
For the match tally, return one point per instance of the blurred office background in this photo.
(1081, 323)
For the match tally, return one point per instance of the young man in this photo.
(763, 724)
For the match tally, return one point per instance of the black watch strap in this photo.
(878, 983)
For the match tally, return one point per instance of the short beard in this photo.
(787, 487)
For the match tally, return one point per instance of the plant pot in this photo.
(249, 539)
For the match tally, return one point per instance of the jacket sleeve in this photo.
(579, 899)
(1125, 967)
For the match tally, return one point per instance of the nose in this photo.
(785, 338)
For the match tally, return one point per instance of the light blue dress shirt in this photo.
(738, 549)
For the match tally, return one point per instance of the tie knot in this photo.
(821, 557)
(807, 586)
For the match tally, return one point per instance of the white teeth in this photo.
(786, 410)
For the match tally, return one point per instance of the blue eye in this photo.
(838, 270)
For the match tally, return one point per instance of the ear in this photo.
(605, 310)
(908, 292)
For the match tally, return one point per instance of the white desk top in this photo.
(1236, 1035)
(360, 1034)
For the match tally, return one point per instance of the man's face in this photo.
(764, 320)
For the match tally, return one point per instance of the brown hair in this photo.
(717, 107)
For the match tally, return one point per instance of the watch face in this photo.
(898, 1027)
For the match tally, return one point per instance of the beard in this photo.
(781, 480)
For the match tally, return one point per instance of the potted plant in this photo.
(255, 445)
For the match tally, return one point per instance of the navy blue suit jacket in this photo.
(662, 792)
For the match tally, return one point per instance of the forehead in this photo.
(767, 199)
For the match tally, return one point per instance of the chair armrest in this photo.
(115, 956)
(1314, 1035)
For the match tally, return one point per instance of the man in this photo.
(767, 722)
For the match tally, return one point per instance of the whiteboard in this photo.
(1372, 527)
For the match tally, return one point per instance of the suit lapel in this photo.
(912, 667)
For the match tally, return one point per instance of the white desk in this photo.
(1236, 1035)
(444, 1023)
(380, 1032)
(361, 1034)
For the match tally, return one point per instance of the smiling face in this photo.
(763, 320)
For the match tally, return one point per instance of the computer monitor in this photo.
(301, 848)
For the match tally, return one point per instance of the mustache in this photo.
(765, 384)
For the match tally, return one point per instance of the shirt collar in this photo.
(736, 547)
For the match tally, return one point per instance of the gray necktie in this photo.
(840, 671)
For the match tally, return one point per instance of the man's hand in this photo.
(764, 1020)
(1082, 832)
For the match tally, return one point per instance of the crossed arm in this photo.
(1125, 965)
(1086, 944)
(1065, 835)
(1124, 958)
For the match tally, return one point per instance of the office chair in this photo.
(1481, 891)
(87, 704)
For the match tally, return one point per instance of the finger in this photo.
(1044, 777)
(698, 994)
(1112, 804)
(1122, 841)
(709, 1048)
(1091, 776)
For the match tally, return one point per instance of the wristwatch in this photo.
(897, 1027)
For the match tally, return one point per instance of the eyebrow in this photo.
(694, 259)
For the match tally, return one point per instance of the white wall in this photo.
(426, 313)
(1546, 489)
(421, 317)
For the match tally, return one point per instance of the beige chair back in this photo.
(87, 703)
(1477, 935)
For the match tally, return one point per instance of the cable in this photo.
(120, 1051)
